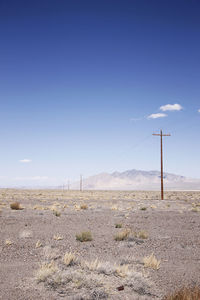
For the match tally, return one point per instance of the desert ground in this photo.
(65, 244)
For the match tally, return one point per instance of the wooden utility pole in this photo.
(68, 185)
(161, 161)
(81, 182)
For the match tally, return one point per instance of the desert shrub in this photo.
(123, 235)
(83, 206)
(151, 262)
(56, 213)
(143, 208)
(118, 225)
(195, 209)
(15, 205)
(84, 236)
(185, 293)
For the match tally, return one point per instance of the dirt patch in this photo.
(35, 240)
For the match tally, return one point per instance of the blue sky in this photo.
(79, 81)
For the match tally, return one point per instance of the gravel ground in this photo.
(172, 233)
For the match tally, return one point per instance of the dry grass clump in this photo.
(38, 244)
(77, 207)
(93, 265)
(186, 293)
(45, 270)
(58, 237)
(106, 268)
(153, 206)
(195, 209)
(114, 207)
(151, 262)
(8, 242)
(122, 271)
(83, 206)
(39, 207)
(84, 236)
(16, 206)
(123, 235)
(142, 234)
(69, 259)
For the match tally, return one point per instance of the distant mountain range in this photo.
(137, 180)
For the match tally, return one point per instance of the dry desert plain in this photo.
(138, 247)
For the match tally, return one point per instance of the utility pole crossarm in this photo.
(162, 134)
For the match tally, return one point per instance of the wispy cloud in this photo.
(136, 119)
(156, 116)
(25, 160)
(199, 110)
(34, 178)
(171, 107)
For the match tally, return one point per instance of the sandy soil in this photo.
(35, 239)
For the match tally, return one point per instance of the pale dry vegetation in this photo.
(186, 293)
(69, 259)
(71, 195)
(8, 242)
(141, 234)
(58, 237)
(89, 276)
(45, 270)
(38, 244)
(151, 262)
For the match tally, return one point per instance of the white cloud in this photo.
(199, 110)
(25, 160)
(156, 116)
(171, 107)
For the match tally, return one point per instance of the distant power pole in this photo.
(81, 182)
(161, 160)
(68, 185)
